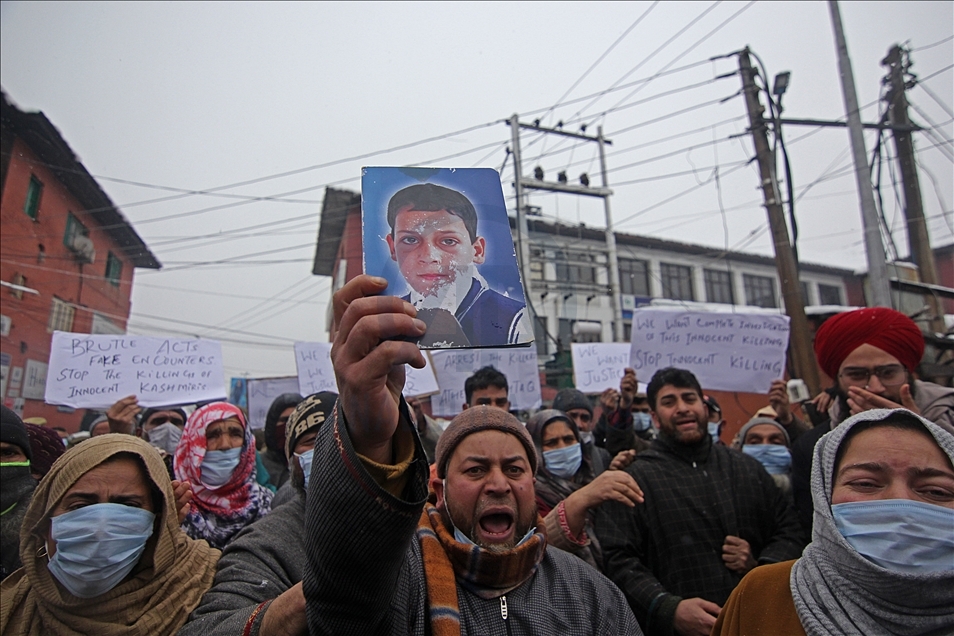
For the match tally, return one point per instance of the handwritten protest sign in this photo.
(726, 352)
(452, 369)
(420, 382)
(598, 366)
(315, 372)
(262, 392)
(94, 371)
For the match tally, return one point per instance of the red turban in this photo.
(887, 329)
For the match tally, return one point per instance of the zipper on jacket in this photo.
(504, 613)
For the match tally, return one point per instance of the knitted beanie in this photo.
(568, 399)
(757, 421)
(309, 414)
(13, 431)
(46, 446)
(474, 420)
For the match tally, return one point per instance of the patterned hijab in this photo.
(156, 598)
(217, 515)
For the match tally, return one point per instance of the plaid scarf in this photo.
(487, 574)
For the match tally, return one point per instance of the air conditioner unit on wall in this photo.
(82, 246)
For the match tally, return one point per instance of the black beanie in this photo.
(13, 431)
(568, 399)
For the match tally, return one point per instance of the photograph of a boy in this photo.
(433, 240)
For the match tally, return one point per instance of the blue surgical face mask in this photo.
(642, 421)
(304, 460)
(97, 546)
(563, 462)
(217, 466)
(776, 458)
(714, 430)
(899, 534)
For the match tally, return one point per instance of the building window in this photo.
(61, 316)
(628, 331)
(806, 297)
(633, 277)
(18, 279)
(575, 268)
(676, 281)
(540, 335)
(73, 229)
(829, 295)
(759, 291)
(114, 269)
(32, 204)
(718, 287)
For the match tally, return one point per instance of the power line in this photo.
(931, 46)
(612, 46)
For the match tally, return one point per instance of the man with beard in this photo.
(711, 515)
(378, 561)
(16, 487)
(871, 354)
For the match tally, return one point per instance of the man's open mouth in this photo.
(496, 524)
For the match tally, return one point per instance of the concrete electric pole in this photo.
(877, 264)
(800, 342)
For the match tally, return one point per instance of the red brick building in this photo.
(67, 258)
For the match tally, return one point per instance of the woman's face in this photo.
(121, 481)
(224, 434)
(891, 463)
(557, 434)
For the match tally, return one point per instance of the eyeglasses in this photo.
(888, 375)
(159, 421)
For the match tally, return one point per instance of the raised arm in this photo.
(357, 526)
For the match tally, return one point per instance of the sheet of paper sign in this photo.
(262, 392)
(94, 371)
(452, 369)
(420, 382)
(726, 352)
(598, 366)
(315, 373)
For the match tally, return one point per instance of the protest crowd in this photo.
(623, 513)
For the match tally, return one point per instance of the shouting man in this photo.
(378, 560)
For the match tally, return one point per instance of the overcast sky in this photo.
(196, 96)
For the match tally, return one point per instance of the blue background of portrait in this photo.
(480, 185)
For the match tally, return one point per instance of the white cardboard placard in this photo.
(94, 371)
(420, 382)
(452, 369)
(315, 373)
(726, 352)
(262, 392)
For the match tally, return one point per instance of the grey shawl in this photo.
(838, 591)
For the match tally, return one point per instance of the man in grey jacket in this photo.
(377, 561)
(257, 589)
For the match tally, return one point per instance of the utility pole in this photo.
(919, 244)
(615, 301)
(877, 265)
(800, 344)
(523, 230)
(584, 189)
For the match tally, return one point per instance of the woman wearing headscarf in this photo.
(217, 456)
(571, 481)
(881, 560)
(275, 422)
(102, 550)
